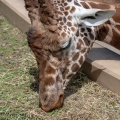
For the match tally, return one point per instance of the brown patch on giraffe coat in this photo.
(69, 17)
(108, 22)
(61, 8)
(76, 56)
(65, 4)
(69, 0)
(116, 17)
(91, 45)
(62, 23)
(69, 24)
(70, 76)
(91, 36)
(75, 67)
(87, 42)
(64, 19)
(58, 55)
(85, 34)
(75, 24)
(51, 21)
(63, 34)
(118, 27)
(60, 19)
(52, 28)
(67, 8)
(65, 27)
(76, 3)
(50, 70)
(77, 33)
(83, 50)
(57, 1)
(65, 73)
(81, 60)
(60, 13)
(82, 29)
(73, 29)
(66, 13)
(58, 79)
(49, 81)
(79, 44)
(64, 30)
(115, 40)
(72, 9)
(84, 5)
(88, 50)
(100, 5)
(89, 30)
(102, 33)
(60, 28)
(81, 34)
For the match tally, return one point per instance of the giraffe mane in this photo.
(43, 28)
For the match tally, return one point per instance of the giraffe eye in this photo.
(65, 45)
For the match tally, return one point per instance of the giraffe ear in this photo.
(95, 17)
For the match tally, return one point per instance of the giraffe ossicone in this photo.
(61, 34)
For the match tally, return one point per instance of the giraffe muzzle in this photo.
(48, 105)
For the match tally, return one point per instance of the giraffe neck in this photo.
(109, 32)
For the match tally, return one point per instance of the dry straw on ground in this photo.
(84, 99)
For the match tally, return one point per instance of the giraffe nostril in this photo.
(45, 98)
(60, 102)
(50, 103)
(61, 98)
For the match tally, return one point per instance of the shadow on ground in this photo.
(35, 84)
(74, 85)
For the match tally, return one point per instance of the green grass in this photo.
(85, 100)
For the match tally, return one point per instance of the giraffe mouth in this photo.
(57, 104)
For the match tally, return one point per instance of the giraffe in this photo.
(61, 35)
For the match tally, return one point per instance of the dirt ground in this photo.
(84, 99)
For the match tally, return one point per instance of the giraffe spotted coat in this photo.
(61, 34)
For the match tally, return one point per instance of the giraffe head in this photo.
(61, 34)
